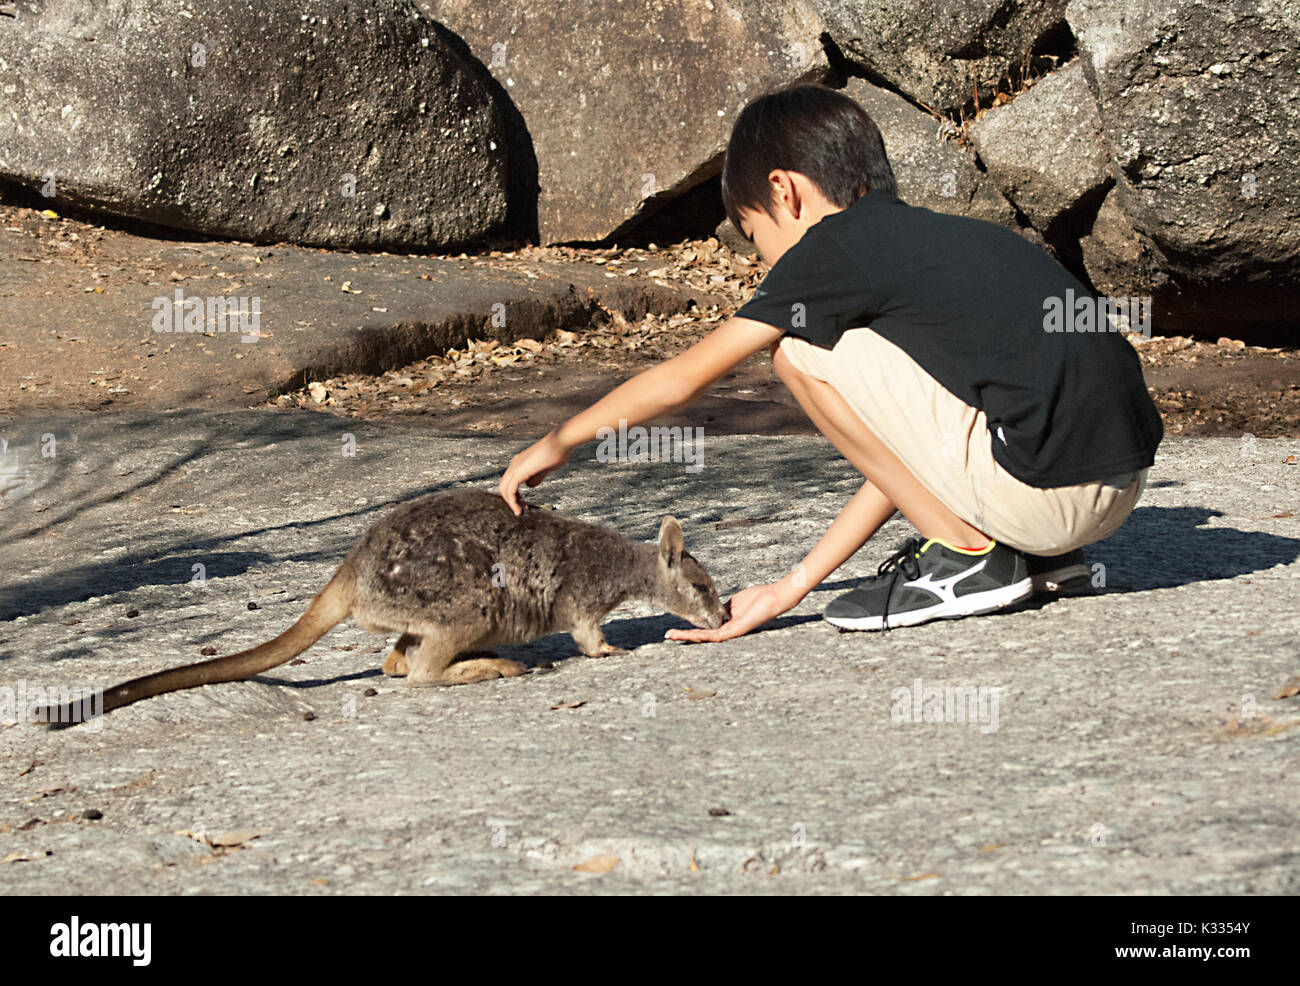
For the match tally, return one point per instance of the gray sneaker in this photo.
(932, 580)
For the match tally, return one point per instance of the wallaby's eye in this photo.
(699, 587)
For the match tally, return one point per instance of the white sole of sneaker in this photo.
(975, 604)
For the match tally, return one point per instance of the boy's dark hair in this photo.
(818, 132)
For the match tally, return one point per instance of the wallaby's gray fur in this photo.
(458, 572)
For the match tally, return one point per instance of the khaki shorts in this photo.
(945, 443)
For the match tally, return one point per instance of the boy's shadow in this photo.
(1166, 547)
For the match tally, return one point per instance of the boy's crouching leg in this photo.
(953, 570)
(855, 440)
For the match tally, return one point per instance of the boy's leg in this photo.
(958, 571)
(869, 455)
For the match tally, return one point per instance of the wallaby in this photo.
(458, 572)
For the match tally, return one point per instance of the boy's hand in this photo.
(529, 466)
(749, 608)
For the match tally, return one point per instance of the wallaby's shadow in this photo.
(318, 682)
(1157, 548)
(555, 649)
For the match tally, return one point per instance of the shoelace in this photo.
(905, 561)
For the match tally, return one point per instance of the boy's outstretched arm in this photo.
(665, 387)
(750, 608)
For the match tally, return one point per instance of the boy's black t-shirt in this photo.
(965, 299)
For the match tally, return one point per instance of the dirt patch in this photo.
(1224, 387)
(1201, 388)
(505, 386)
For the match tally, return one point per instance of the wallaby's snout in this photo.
(688, 591)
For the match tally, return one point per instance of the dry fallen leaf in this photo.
(569, 705)
(46, 790)
(597, 864)
(317, 391)
(1289, 460)
(234, 838)
(219, 840)
(1290, 689)
(347, 288)
(19, 856)
(696, 695)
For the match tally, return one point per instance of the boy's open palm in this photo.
(749, 608)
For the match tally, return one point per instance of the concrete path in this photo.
(1127, 742)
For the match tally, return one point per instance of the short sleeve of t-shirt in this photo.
(814, 291)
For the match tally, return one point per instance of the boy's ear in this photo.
(670, 541)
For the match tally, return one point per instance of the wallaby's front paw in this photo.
(606, 649)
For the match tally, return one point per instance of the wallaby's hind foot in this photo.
(470, 670)
(395, 663)
(481, 669)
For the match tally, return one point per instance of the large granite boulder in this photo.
(1120, 262)
(629, 106)
(934, 50)
(351, 125)
(1200, 104)
(932, 169)
(1045, 148)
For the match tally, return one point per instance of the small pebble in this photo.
(370, 692)
(309, 716)
(92, 813)
(718, 812)
(207, 651)
(254, 606)
(131, 614)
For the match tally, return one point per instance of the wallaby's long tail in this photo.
(327, 610)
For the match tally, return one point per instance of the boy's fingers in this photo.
(724, 632)
(695, 636)
(507, 490)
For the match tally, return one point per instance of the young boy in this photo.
(917, 343)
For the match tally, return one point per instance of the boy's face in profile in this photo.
(798, 204)
(772, 238)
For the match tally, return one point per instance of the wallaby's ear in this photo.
(670, 541)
